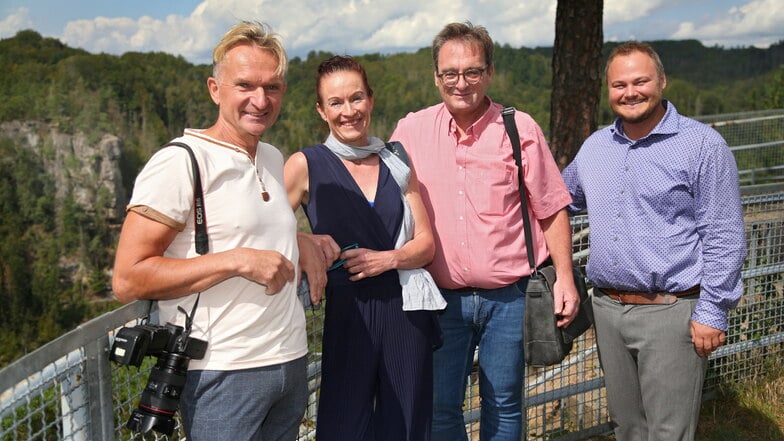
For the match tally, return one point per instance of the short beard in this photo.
(644, 116)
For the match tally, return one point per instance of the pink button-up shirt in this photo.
(470, 191)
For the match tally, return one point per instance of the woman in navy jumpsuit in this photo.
(376, 381)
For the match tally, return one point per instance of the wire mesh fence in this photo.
(68, 389)
(756, 141)
(51, 406)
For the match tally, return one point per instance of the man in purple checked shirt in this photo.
(667, 246)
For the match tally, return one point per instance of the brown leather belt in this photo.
(648, 298)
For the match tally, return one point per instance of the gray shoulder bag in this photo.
(545, 343)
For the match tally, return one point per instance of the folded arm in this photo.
(142, 272)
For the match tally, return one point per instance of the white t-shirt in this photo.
(243, 326)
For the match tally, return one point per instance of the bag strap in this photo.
(396, 147)
(508, 114)
(199, 216)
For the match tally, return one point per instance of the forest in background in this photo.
(147, 98)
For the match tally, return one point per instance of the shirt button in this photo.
(460, 218)
(460, 192)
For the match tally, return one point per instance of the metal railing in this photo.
(68, 389)
(757, 141)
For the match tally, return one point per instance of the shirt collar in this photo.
(492, 114)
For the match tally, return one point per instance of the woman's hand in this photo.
(362, 263)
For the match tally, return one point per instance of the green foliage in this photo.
(148, 98)
(774, 89)
(44, 250)
(22, 424)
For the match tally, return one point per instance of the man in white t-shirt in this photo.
(252, 381)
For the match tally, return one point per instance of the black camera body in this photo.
(174, 349)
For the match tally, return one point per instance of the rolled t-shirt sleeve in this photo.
(163, 190)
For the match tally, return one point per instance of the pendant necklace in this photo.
(264, 194)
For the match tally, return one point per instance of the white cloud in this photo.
(363, 26)
(340, 26)
(622, 11)
(521, 23)
(15, 22)
(177, 35)
(756, 23)
(641, 20)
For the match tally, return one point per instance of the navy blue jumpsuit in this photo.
(376, 371)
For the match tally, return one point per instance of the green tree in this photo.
(774, 89)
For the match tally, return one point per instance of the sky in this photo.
(191, 28)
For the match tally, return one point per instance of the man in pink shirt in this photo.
(469, 182)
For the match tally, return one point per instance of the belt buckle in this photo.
(612, 296)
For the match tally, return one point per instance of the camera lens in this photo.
(161, 396)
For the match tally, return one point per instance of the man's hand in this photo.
(558, 236)
(706, 339)
(316, 253)
(265, 267)
(566, 300)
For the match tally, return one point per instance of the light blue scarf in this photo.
(419, 289)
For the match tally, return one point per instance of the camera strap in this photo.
(186, 332)
(201, 240)
(199, 216)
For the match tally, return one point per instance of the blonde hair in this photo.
(252, 33)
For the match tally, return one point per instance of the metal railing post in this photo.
(99, 385)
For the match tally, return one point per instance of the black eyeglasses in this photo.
(471, 75)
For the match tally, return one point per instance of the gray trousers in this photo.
(257, 404)
(653, 375)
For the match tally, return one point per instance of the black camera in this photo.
(174, 349)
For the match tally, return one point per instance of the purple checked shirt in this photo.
(664, 212)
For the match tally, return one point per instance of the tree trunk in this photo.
(577, 76)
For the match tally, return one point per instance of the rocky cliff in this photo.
(88, 169)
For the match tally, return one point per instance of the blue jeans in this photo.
(493, 321)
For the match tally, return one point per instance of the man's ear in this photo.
(213, 86)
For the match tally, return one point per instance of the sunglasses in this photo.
(338, 263)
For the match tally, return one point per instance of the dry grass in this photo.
(749, 411)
